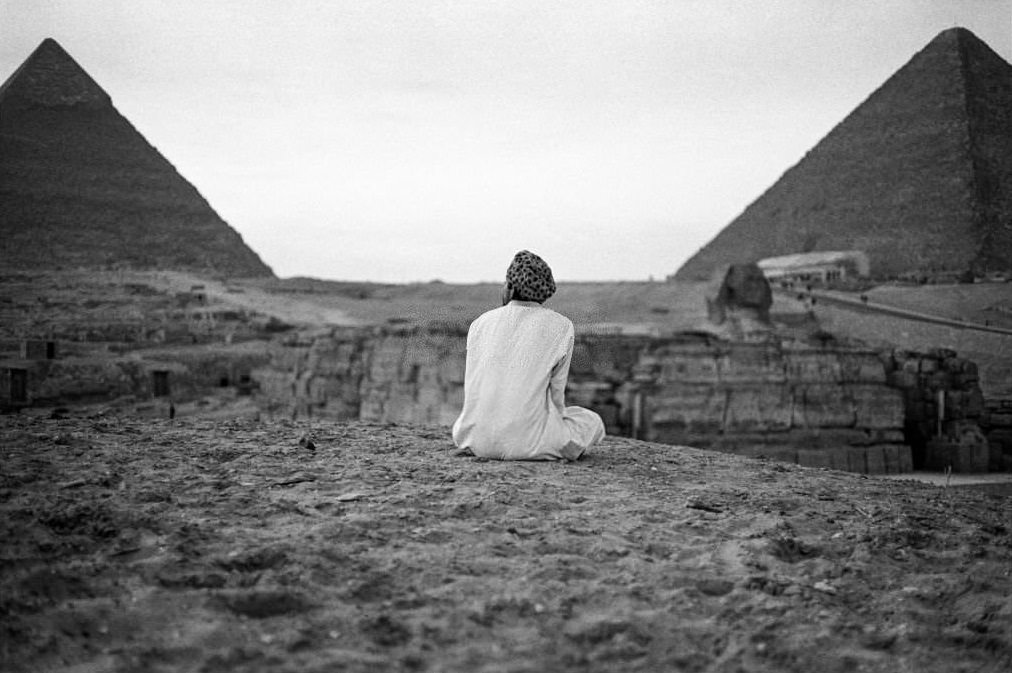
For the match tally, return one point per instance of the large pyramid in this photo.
(80, 186)
(919, 176)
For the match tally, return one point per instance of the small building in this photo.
(816, 267)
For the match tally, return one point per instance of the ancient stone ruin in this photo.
(919, 176)
(806, 403)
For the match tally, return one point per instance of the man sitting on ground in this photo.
(518, 359)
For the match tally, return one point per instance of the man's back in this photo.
(516, 355)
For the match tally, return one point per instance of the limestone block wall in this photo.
(390, 374)
(191, 373)
(997, 425)
(815, 406)
(944, 408)
(84, 380)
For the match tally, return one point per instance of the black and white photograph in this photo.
(505, 336)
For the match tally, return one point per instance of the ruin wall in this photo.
(819, 406)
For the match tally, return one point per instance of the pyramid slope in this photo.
(81, 187)
(919, 176)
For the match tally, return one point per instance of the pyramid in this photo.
(81, 187)
(919, 176)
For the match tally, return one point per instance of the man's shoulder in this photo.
(486, 317)
(489, 315)
(544, 315)
(561, 322)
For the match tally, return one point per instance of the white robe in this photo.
(518, 360)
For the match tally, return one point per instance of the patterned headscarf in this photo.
(530, 277)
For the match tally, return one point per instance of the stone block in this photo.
(386, 359)
(942, 353)
(584, 393)
(861, 367)
(1001, 438)
(697, 408)
(689, 368)
(942, 453)
(964, 431)
(1000, 420)
(822, 405)
(583, 361)
(826, 438)
(891, 458)
(911, 365)
(939, 380)
(877, 407)
(974, 403)
(874, 460)
(609, 415)
(964, 404)
(758, 408)
(812, 366)
(906, 458)
(751, 363)
(884, 436)
(815, 458)
(839, 459)
(451, 369)
(902, 378)
(955, 401)
(856, 459)
(995, 457)
(969, 373)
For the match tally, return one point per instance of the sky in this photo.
(415, 140)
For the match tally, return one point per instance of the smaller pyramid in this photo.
(919, 176)
(81, 187)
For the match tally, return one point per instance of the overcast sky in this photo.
(411, 140)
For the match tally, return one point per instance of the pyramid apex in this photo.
(955, 30)
(50, 77)
(959, 37)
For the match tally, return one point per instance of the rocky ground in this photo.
(198, 545)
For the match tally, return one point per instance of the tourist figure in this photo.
(518, 359)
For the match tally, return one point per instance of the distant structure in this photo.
(919, 176)
(80, 187)
(741, 308)
(816, 267)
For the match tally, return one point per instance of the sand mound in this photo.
(139, 546)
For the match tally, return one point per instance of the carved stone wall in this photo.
(812, 405)
(820, 407)
(944, 411)
(407, 374)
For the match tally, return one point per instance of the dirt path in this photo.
(848, 301)
(213, 546)
(285, 308)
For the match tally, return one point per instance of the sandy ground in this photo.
(197, 545)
